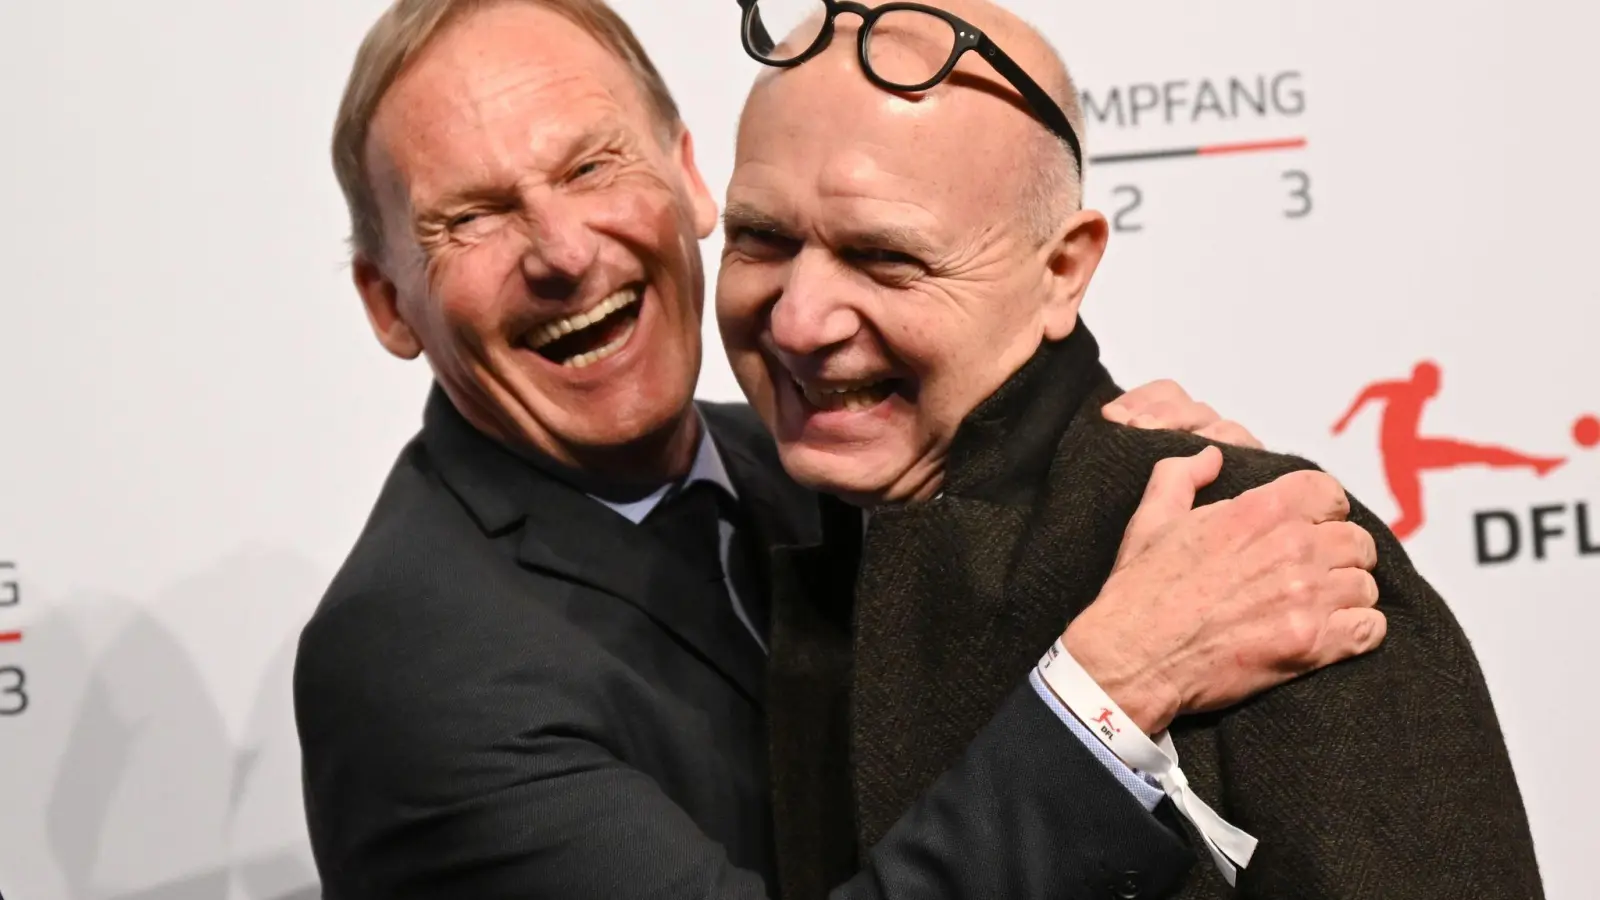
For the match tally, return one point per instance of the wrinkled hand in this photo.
(1166, 405)
(1207, 607)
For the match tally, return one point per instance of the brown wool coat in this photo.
(1384, 777)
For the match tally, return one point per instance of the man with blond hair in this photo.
(903, 311)
(543, 669)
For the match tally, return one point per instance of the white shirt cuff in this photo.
(1143, 787)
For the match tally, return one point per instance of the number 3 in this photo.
(13, 696)
(1301, 193)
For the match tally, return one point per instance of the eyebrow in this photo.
(888, 236)
(884, 235)
(743, 215)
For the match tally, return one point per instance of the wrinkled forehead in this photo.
(823, 129)
(506, 83)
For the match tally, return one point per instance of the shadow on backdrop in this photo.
(153, 799)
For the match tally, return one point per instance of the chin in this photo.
(629, 414)
(861, 477)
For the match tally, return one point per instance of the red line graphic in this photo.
(10, 637)
(1253, 146)
(1295, 143)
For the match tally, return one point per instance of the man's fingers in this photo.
(1228, 431)
(1139, 400)
(1314, 496)
(1176, 415)
(1350, 632)
(1174, 482)
(1349, 589)
(1169, 494)
(1343, 545)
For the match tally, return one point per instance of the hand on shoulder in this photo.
(1209, 606)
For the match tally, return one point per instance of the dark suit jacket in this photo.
(511, 691)
(1384, 777)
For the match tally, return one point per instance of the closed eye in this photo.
(877, 256)
(761, 242)
(587, 168)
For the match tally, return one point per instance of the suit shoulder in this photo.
(1119, 461)
(422, 575)
(424, 620)
(414, 525)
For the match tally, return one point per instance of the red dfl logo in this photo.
(1407, 453)
(1105, 719)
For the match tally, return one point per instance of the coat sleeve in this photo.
(1385, 776)
(422, 787)
(1028, 813)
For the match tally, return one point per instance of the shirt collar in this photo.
(707, 466)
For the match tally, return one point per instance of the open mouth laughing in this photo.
(853, 396)
(588, 337)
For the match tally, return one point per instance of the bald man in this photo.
(906, 257)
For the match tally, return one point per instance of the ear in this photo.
(705, 208)
(1073, 259)
(382, 300)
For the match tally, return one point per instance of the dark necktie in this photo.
(687, 522)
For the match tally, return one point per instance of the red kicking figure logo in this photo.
(1105, 719)
(1407, 454)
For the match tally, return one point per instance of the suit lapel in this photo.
(609, 553)
(569, 535)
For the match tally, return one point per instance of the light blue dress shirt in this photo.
(708, 467)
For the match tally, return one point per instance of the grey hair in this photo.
(1051, 186)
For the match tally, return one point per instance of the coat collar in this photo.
(491, 481)
(1004, 447)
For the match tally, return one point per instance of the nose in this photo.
(814, 312)
(562, 249)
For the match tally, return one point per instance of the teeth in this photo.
(852, 396)
(554, 331)
(599, 353)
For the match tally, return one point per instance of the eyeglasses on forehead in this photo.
(903, 47)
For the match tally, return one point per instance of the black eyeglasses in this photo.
(918, 48)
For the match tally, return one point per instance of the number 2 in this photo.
(13, 691)
(1117, 221)
(1301, 193)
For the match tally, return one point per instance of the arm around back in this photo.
(488, 767)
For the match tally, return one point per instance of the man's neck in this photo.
(643, 465)
(623, 473)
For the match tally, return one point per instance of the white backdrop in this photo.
(194, 418)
